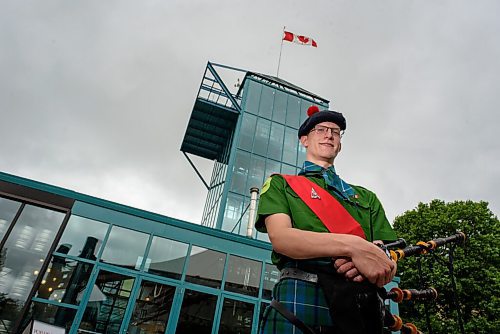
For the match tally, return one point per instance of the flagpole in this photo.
(281, 48)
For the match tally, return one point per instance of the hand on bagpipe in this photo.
(396, 251)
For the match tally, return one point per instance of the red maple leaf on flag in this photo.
(299, 39)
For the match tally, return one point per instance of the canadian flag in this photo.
(290, 37)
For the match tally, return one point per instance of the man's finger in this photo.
(345, 268)
(340, 261)
(351, 273)
(358, 278)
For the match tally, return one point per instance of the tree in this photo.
(475, 264)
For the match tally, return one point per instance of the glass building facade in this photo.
(92, 266)
(266, 143)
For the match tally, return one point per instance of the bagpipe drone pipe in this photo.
(397, 251)
(422, 247)
(395, 323)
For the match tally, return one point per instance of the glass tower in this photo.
(254, 135)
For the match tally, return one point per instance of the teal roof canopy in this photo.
(213, 119)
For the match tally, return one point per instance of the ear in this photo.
(303, 141)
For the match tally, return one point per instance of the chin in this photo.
(327, 158)
(330, 157)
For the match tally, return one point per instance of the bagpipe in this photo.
(422, 247)
(394, 322)
(397, 251)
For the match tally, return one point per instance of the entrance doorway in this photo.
(121, 302)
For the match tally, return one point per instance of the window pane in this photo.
(271, 277)
(262, 309)
(166, 257)
(125, 248)
(243, 275)
(304, 105)
(197, 313)
(262, 236)
(65, 280)
(302, 155)
(279, 109)
(272, 167)
(23, 256)
(257, 170)
(287, 169)
(266, 102)
(205, 267)
(244, 218)
(152, 308)
(240, 172)
(51, 314)
(253, 96)
(236, 317)
(276, 141)
(107, 303)
(293, 112)
(83, 237)
(8, 210)
(262, 133)
(232, 213)
(247, 131)
(290, 146)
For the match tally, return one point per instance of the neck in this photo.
(322, 163)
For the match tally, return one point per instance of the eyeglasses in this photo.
(324, 130)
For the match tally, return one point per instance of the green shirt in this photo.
(363, 206)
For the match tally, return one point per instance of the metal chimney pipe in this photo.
(254, 192)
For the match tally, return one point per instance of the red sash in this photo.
(331, 213)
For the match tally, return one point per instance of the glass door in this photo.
(152, 308)
(124, 302)
(107, 303)
(236, 315)
(197, 313)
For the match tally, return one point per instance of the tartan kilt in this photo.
(306, 300)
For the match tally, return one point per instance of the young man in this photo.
(322, 231)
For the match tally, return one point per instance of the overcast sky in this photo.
(95, 95)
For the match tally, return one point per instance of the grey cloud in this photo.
(95, 96)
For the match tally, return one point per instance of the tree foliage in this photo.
(475, 264)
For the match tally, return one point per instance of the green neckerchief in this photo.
(331, 177)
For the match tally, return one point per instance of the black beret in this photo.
(316, 116)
